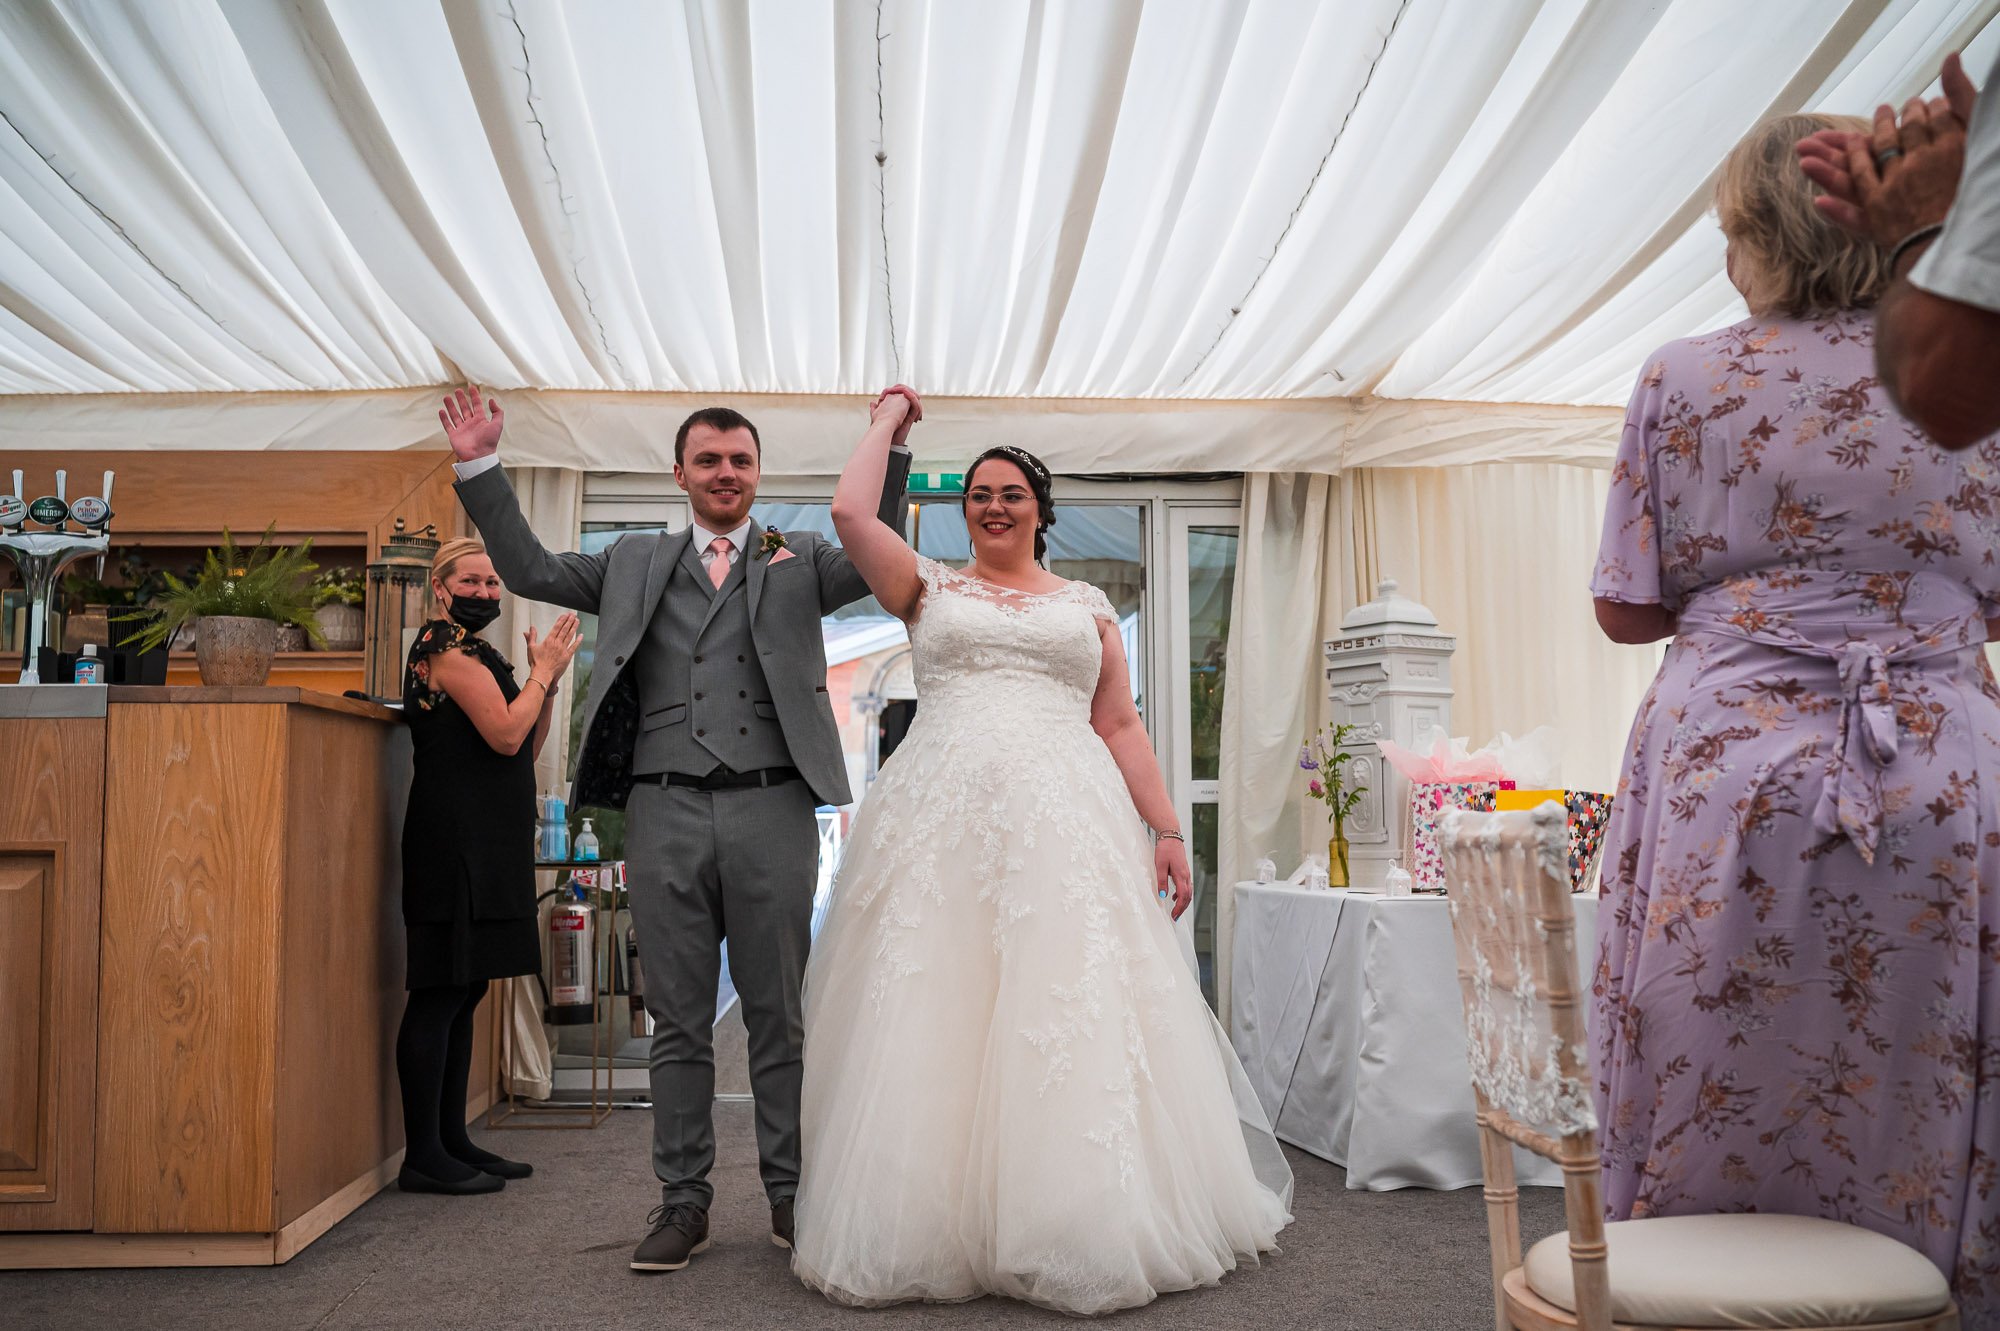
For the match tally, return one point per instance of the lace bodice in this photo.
(975, 639)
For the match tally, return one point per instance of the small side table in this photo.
(602, 882)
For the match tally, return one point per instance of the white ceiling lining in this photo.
(1201, 200)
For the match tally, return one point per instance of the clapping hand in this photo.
(472, 432)
(550, 656)
(1902, 176)
(901, 404)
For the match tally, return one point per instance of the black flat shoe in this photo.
(501, 1168)
(410, 1180)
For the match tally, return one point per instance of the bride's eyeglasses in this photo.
(1013, 494)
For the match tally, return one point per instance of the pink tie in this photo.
(718, 560)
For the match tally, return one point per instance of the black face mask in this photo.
(474, 612)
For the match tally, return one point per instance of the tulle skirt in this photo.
(1012, 1083)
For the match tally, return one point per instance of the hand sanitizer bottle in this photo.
(586, 842)
(90, 667)
(555, 846)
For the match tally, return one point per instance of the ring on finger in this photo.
(1886, 156)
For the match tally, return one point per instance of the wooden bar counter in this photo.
(201, 971)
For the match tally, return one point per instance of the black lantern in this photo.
(398, 586)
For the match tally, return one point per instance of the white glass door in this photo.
(1202, 565)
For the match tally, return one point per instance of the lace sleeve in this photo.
(1095, 601)
(933, 574)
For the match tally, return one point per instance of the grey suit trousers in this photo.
(703, 867)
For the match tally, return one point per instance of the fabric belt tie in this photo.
(1867, 742)
(1850, 803)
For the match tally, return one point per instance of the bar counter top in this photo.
(85, 700)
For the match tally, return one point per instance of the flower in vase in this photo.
(1315, 789)
(1307, 763)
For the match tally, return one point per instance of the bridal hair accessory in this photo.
(773, 541)
(1029, 462)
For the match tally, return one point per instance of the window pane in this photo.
(1211, 578)
(1203, 848)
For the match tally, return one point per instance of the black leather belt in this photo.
(724, 779)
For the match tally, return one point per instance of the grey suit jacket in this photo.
(622, 586)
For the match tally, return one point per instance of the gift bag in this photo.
(1588, 812)
(1428, 803)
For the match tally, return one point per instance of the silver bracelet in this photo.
(1911, 241)
(1170, 836)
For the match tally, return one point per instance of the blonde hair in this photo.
(449, 556)
(1790, 260)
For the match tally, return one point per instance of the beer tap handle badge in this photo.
(49, 510)
(91, 511)
(94, 511)
(13, 508)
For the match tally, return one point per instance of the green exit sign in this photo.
(937, 482)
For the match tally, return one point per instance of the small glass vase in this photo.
(1336, 862)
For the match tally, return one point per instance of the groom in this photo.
(708, 711)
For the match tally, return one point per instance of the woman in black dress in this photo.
(468, 855)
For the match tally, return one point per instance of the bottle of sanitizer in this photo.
(555, 846)
(586, 842)
(90, 666)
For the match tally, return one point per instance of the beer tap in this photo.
(43, 555)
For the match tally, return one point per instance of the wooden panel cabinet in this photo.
(27, 890)
(194, 838)
(51, 821)
(201, 972)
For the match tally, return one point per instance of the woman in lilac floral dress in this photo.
(1798, 985)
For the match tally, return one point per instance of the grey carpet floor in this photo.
(550, 1252)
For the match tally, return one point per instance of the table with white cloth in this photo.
(1344, 1008)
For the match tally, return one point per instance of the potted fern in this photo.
(236, 604)
(337, 596)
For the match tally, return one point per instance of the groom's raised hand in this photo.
(472, 431)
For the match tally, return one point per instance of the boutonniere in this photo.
(771, 543)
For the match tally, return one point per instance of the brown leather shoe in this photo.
(781, 1223)
(680, 1230)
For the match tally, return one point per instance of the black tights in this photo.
(434, 1062)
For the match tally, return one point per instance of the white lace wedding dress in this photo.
(1012, 1083)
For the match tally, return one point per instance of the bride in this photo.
(1012, 1084)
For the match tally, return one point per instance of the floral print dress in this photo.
(1797, 997)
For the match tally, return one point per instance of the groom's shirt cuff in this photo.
(467, 470)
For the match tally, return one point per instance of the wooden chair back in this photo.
(1507, 878)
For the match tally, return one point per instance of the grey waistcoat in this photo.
(703, 699)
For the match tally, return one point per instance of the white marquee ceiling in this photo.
(1466, 200)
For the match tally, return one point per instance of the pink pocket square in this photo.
(782, 556)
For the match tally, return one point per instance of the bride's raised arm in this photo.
(884, 558)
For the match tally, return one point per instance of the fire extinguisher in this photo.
(642, 1020)
(572, 977)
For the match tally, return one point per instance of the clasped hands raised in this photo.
(1902, 176)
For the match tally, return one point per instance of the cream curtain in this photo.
(1502, 553)
(552, 501)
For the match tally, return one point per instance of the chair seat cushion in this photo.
(1748, 1271)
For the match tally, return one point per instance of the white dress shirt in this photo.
(704, 538)
(1964, 263)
